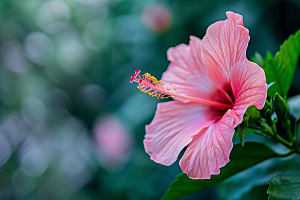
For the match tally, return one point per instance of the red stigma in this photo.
(136, 77)
(140, 81)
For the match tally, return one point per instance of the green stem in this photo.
(296, 134)
(271, 130)
(278, 138)
(262, 134)
(254, 127)
(287, 126)
(296, 131)
(273, 126)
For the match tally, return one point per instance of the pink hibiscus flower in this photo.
(215, 84)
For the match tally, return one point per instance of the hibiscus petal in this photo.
(248, 82)
(173, 126)
(209, 150)
(188, 73)
(224, 44)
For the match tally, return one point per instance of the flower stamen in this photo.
(150, 85)
(161, 90)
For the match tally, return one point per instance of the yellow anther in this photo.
(155, 88)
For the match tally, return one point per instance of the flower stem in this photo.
(287, 126)
(296, 134)
(270, 129)
(261, 134)
(273, 126)
(296, 131)
(278, 138)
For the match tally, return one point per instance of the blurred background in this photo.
(71, 124)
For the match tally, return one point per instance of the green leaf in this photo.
(284, 188)
(258, 59)
(240, 158)
(242, 183)
(281, 69)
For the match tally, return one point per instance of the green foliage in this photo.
(281, 68)
(253, 112)
(240, 158)
(284, 188)
(266, 112)
(258, 58)
(242, 129)
(239, 185)
(281, 107)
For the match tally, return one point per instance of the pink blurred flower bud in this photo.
(113, 142)
(157, 17)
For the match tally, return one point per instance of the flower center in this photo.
(223, 95)
(150, 85)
